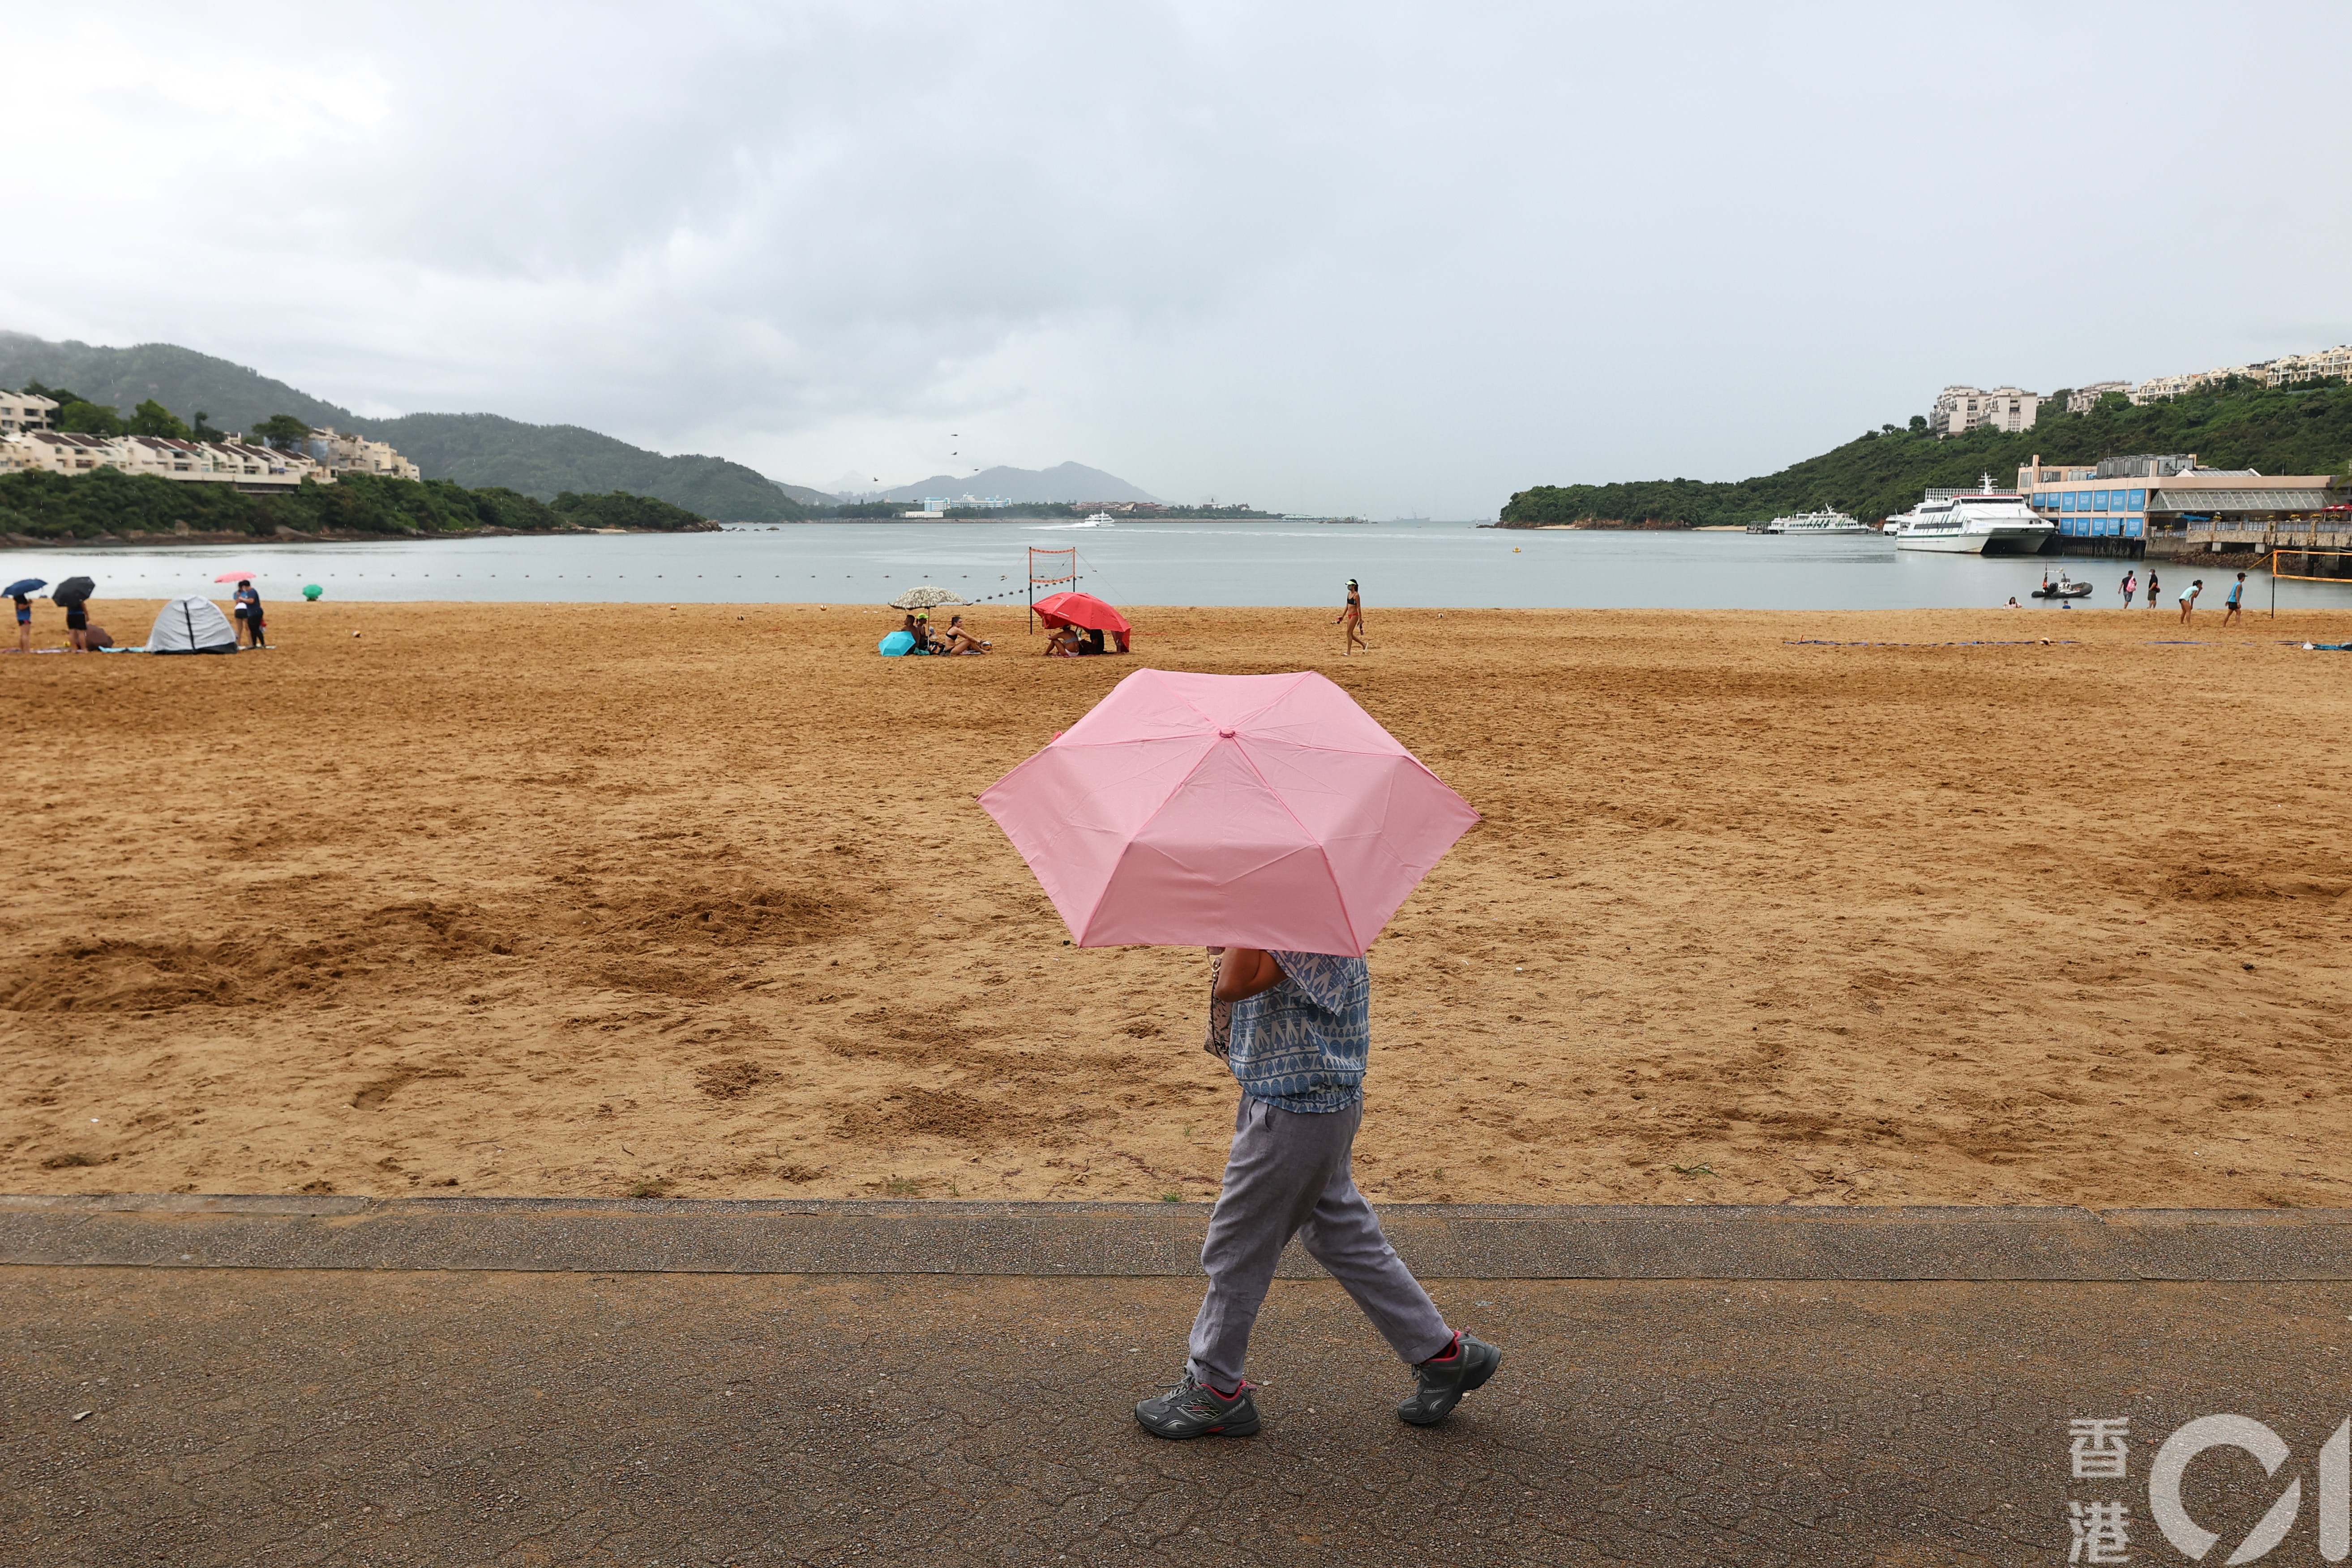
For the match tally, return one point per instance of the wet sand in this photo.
(543, 899)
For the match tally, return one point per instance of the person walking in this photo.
(2189, 600)
(2130, 582)
(249, 612)
(1352, 617)
(2155, 589)
(24, 624)
(2236, 601)
(1294, 1028)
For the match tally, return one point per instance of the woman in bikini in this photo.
(1352, 617)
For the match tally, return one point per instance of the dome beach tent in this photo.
(1084, 611)
(192, 623)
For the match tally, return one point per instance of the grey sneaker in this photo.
(1192, 1409)
(1443, 1382)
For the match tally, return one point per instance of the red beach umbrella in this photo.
(1074, 609)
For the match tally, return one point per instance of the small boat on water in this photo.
(2065, 587)
(1814, 522)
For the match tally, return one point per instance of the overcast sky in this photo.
(1382, 258)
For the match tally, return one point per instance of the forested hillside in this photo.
(476, 450)
(109, 501)
(2304, 429)
(545, 459)
(233, 397)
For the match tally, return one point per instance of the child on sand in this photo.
(1295, 1029)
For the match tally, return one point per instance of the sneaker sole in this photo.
(1234, 1429)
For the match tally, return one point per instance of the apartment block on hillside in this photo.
(26, 411)
(342, 454)
(1960, 409)
(242, 463)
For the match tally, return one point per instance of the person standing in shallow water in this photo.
(2126, 587)
(1352, 617)
(1296, 1030)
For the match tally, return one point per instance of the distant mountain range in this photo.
(1063, 481)
(478, 451)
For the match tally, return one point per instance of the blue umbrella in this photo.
(23, 586)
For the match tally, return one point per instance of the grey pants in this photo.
(1288, 1175)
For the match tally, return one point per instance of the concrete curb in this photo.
(1441, 1241)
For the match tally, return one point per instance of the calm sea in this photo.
(1416, 563)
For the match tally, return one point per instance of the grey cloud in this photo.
(1375, 257)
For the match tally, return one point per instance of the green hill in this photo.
(543, 460)
(2239, 424)
(181, 379)
(109, 502)
(478, 451)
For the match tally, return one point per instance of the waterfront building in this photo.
(2164, 504)
(26, 411)
(1960, 409)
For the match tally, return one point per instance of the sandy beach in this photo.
(526, 899)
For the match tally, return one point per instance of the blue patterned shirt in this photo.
(1300, 1045)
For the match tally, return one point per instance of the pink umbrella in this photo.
(233, 576)
(1235, 810)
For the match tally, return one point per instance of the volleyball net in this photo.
(1049, 569)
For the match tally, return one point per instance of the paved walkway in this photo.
(395, 1416)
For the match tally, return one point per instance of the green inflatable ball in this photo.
(312, 591)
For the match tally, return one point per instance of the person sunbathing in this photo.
(1067, 642)
(961, 640)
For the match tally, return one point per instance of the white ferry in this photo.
(1099, 520)
(1981, 522)
(1815, 522)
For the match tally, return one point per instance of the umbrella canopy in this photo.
(894, 645)
(925, 598)
(237, 576)
(1235, 810)
(1080, 610)
(23, 586)
(73, 591)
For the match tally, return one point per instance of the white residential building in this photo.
(2284, 371)
(2082, 399)
(26, 411)
(242, 463)
(1960, 409)
(342, 454)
